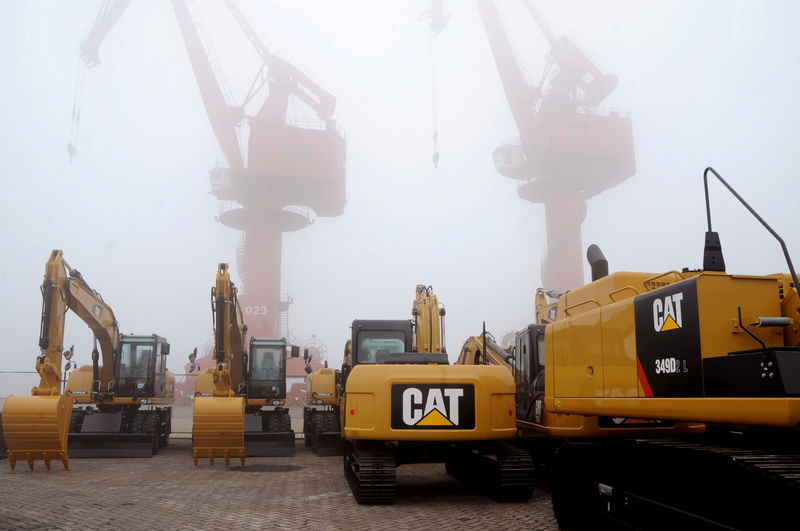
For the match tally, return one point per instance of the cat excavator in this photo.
(483, 349)
(403, 403)
(717, 354)
(238, 404)
(321, 429)
(117, 409)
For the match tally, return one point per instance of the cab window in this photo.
(375, 346)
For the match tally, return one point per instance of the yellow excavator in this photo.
(321, 429)
(238, 404)
(121, 408)
(714, 352)
(484, 350)
(403, 403)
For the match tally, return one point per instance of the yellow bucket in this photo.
(37, 427)
(218, 428)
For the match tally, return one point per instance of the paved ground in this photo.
(305, 491)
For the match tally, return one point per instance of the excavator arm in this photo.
(229, 332)
(36, 427)
(428, 321)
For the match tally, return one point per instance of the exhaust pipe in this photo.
(597, 261)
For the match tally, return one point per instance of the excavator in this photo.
(403, 403)
(321, 429)
(232, 415)
(483, 349)
(716, 353)
(117, 409)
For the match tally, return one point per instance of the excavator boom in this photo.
(218, 416)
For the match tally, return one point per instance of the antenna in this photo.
(713, 246)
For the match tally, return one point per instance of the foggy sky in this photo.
(706, 84)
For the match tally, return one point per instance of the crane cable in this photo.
(435, 157)
(76, 110)
(437, 24)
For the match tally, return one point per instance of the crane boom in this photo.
(302, 86)
(107, 16)
(519, 94)
(223, 117)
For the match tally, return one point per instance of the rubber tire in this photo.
(284, 421)
(137, 426)
(308, 417)
(152, 424)
(76, 420)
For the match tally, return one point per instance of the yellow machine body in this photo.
(372, 408)
(79, 389)
(322, 388)
(672, 347)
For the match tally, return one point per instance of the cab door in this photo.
(529, 373)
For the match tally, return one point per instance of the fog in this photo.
(706, 84)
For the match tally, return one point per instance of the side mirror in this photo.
(306, 355)
(308, 369)
(295, 351)
(68, 353)
(165, 348)
(326, 364)
(193, 355)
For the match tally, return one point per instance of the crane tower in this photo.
(275, 180)
(570, 149)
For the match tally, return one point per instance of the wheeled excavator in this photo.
(239, 404)
(702, 348)
(120, 408)
(321, 429)
(403, 403)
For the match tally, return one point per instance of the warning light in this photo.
(510, 413)
(352, 411)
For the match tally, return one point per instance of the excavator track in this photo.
(515, 474)
(505, 476)
(666, 483)
(371, 475)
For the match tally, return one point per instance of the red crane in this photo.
(570, 150)
(285, 168)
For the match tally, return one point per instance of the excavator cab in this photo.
(141, 369)
(529, 372)
(375, 341)
(267, 369)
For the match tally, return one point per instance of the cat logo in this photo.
(667, 313)
(97, 311)
(430, 406)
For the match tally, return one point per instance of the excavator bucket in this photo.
(36, 427)
(218, 428)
